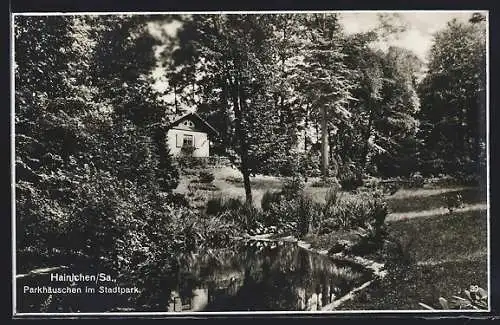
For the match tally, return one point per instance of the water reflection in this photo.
(259, 276)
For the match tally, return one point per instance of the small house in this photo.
(191, 135)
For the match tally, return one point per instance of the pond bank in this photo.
(376, 268)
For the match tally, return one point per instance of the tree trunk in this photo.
(324, 143)
(366, 148)
(241, 135)
(175, 100)
(306, 127)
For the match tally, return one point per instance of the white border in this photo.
(221, 12)
(488, 211)
(201, 313)
(13, 163)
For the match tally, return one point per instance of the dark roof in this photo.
(196, 116)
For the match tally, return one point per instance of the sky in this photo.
(421, 25)
(417, 37)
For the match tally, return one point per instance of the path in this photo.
(433, 212)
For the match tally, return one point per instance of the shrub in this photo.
(364, 213)
(206, 177)
(474, 298)
(178, 200)
(247, 215)
(307, 215)
(214, 205)
(218, 205)
(197, 186)
(416, 180)
(453, 201)
(293, 187)
(329, 182)
(327, 226)
(351, 181)
(269, 197)
(189, 162)
(233, 179)
(233, 204)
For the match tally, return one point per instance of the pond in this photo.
(251, 276)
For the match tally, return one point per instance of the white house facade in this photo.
(190, 136)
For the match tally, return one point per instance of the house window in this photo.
(188, 141)
(189, 124)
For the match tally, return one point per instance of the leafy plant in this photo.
(416, 180)
(293, 187)
(269, 198)
(400, 251)
(474, 298)
(453, 201)
(178, 200)
(206, 177)
(215, 205)
(329, 182)
(350, 180)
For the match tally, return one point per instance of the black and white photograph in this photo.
(250, 162)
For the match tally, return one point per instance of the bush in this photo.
(350, 178)
(293, 187)
(307, 214)
(416, 180)
(350, 183)
(188, 162)
(330, 182)
(206, 177)
(269, 198)
(234, 180)
(328, 226)
(214, 205)
(178, 200)
(234, 210)
(247, 215)
(198, 186)
(364, 213)
(473, 298)
(218, 205)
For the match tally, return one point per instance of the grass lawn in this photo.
(449, 253)
(407, 200)
(229, 184)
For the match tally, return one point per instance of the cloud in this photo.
(416, 41)
(421, 26)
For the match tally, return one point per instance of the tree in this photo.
(87, 157)
(232, 55)
(396, 126)
(324, 78)
(367, 75)
(453, 99)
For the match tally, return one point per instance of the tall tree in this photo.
(233, 59)
(453, 99)
(368, 77)
(397, 125)
(325, 80)
(87, 161)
